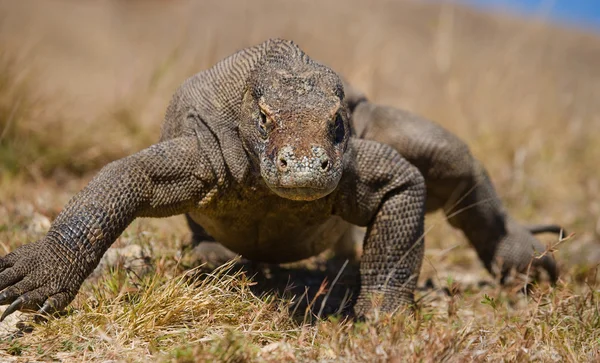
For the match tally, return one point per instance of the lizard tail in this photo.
(546, 228)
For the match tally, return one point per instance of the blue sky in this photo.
(583, 13)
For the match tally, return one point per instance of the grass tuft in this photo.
(524, 95)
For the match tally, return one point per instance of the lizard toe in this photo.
(548, 264)
(14, 306)
(12, 258)
(9, 277)
(12, 293)
(4, 264)
(55, 303)
(30, 301)
(9, 260)
(522, 252)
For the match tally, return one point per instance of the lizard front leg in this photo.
(459, 184)
(385, 193)
(168, 178)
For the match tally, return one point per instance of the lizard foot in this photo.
(213, 254)
(520, 251)
(37, 277)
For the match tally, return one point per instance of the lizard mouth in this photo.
(300, 193)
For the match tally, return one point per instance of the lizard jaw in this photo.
(300, 193)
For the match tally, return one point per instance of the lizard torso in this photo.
(245, 215)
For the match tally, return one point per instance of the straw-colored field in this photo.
(84, 83)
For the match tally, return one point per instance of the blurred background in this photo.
(85, 82)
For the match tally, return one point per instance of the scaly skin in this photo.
(458, 184)
(260, 151)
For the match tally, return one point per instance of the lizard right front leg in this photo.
(168, 178)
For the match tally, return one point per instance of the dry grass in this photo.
(85, 83)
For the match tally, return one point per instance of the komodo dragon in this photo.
(275, 158)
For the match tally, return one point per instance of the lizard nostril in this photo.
(325, 165)
(282, 163)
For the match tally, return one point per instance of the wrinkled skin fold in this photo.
(272, 155)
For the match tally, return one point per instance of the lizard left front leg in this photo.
(385, 193)
(459, 183)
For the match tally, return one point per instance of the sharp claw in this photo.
(44, 312)
(48, 308)
(16, 305)
(3, 297)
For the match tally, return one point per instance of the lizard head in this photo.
(295, 125)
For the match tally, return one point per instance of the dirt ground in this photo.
(84, 83)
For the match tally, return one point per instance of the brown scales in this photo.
(271, 155)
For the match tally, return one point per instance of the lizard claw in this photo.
(47, 309)
(3, 299)
(16, 305)
(55, 303)
(35, 280)
(7, 296)
(520, 250)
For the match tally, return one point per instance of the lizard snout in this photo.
(306, 173)
(316, 162)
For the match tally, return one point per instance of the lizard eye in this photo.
(264, 124)
(338, 129)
